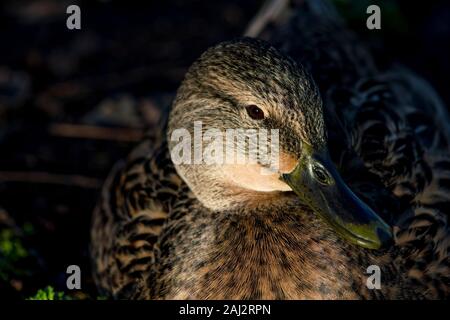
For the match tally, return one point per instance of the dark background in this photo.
(72, 102)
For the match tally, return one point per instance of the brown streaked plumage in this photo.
(163, 231)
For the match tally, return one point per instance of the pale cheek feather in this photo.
(257, 178)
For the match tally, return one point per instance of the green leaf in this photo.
(49, 293)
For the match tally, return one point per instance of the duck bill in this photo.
(316, 181)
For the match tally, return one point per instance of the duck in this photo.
(360, 182)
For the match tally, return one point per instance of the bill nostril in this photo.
(321, 174)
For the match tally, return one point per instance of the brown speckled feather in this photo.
(388, 132)
(393, 122)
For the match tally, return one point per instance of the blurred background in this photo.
(73, 102)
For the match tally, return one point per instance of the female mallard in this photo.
(166, 229)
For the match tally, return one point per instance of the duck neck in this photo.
(283, 251)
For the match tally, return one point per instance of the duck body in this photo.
(169, 246)
(156, 235)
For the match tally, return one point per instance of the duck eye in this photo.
(321, 175)
(254, 112)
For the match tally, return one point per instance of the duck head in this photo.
(248, 85)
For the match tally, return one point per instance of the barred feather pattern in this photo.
(389, 121)
(129, 219)
(387, 131)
